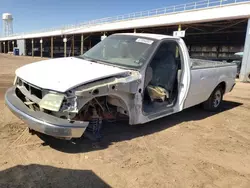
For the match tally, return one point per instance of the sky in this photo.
(32, 15)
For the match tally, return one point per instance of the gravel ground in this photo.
(193, 148)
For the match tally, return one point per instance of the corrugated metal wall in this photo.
(21, 46)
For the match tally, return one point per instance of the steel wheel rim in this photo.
(217, 98)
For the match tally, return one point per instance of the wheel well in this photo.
(104, 105)
(223, 86)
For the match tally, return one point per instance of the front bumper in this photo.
(42, 122)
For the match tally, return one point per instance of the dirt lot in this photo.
(193, 148)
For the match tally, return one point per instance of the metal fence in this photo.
(205, 4)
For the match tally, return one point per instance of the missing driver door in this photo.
(166, 80)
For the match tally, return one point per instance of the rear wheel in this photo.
(214, 101)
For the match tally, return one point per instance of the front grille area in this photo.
(26, 85)
(36, 92)
(31, 89)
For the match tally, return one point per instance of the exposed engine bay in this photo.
(101, 110)
(87, 103)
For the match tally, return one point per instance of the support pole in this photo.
(179, 28)
(65, 46)
(134, 30)
(245, 66)
(13, 45)
(4, 50)
(32, 47)
(52, 47)
(25, 48)
(177, 52)
(41, 47)
(8, 46)
(73, 45)
(82, 41)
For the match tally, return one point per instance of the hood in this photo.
(63, 74)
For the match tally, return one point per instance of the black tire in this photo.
(214, 101)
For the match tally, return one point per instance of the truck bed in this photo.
(201, 64)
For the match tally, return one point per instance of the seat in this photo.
(165, 71)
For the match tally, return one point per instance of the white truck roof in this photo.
(149, 35)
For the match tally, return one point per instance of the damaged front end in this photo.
(86, 106)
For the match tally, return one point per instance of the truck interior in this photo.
(162, 78)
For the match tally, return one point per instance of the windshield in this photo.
(122, 50)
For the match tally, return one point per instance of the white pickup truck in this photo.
(142, 77)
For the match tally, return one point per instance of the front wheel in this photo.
(214, 101)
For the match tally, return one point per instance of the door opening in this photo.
(162, 78)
